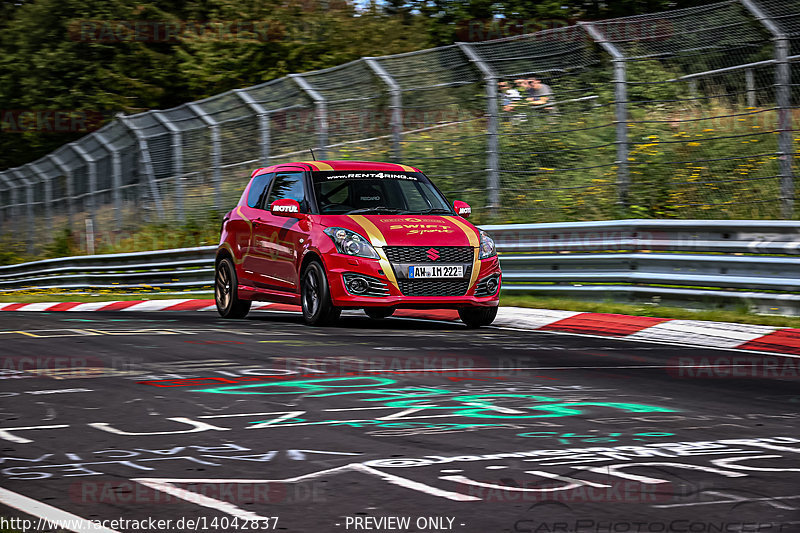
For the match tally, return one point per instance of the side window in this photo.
(258, 190)
(288, 185)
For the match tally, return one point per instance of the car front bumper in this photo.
(339, 267)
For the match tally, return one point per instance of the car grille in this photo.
(419, 254)
(433, 287)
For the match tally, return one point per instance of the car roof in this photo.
(341, 165)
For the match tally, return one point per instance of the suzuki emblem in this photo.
(433, 254)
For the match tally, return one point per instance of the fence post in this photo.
(395, 105)
(492, 138)
(176, 141)
(91, 163)
(59, 163)
(263, 123)
(783, 80)
(28, 207)
(621, 111)
(321, 112)
(48, 199)
(750, 86)
(116, 178)
(8, 213)
(216, 152)
(144, 152)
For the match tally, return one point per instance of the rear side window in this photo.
(259, 188)
(288, 185)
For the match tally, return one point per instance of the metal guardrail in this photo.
(688, 262)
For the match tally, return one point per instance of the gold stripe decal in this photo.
(475, 243)
(317, 165)
(239, 212)
(378, 241)
(374, 234)
(406, 168)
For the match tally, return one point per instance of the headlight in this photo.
(351, 243)
(487, 246)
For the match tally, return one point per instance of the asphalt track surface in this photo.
(390, 425)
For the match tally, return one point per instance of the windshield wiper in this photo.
(434, 210)
(376, 209)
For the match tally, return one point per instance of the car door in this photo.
(242, 227)
(276, 242)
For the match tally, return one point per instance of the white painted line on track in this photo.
(50, 516)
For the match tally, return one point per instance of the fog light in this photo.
(491, 285)
(357, 285)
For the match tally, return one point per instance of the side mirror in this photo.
(462, 209)
(285, 207)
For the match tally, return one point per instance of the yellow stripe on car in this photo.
(475, 243)
(318, 165)
(378, 241)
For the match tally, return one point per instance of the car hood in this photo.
(408, 230)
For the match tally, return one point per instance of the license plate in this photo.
(436, 271)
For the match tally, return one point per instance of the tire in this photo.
(475, 317)
(315, 297)
(377, 313)
(225, 292)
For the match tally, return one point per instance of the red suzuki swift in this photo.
(333, 235)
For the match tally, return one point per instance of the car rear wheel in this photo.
(315, 297)
(225, 292)
(376, 313)
(475, 317)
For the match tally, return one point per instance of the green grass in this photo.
(517, 299)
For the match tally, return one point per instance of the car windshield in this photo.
(377, 192)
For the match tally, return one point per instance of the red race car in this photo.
(333, 235)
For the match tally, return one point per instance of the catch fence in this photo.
(680, 114)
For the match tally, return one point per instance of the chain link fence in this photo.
(681, 114)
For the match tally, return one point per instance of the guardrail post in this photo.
(59, 163)
(216, 152)
(621, 111)
(29, 239)
(783, 80)
(177, 161)
(321, 113)
(146, 162)
(492, 138)
(395, 105)
(263, 123)
(116, 178)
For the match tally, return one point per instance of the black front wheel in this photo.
(315, 297)
(225, 292)
(475, 317)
